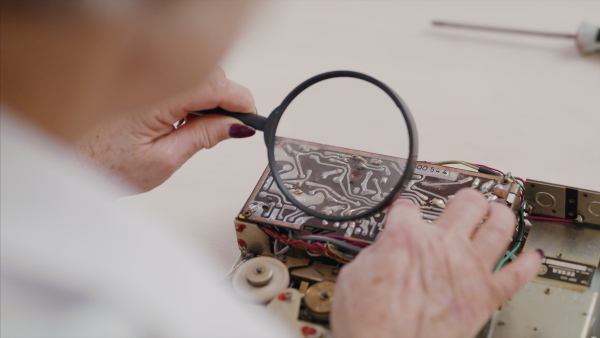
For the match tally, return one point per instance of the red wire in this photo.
(317, 248)
(550, 219)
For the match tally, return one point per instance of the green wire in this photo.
(522, 209)
(502, 262)
(457, 162)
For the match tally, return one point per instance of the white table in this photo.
(522, 104)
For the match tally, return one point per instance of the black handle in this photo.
(255, 121)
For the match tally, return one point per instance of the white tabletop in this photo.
(527, 105)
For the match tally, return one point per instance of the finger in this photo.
(515, 275)
(219, 91)
(216, 91)
(402, 215)
(492, 238)
(206, 132)
(465, 212)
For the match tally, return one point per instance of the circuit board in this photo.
(347, 181)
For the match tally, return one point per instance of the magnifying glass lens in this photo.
(339, 147)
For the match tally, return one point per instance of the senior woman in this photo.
(90, 91)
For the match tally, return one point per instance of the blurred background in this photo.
(527, 105)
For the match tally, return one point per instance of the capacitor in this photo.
(587, 37)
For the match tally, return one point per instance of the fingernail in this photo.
(540, 252)
(241, 131)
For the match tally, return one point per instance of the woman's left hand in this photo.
(144, 149)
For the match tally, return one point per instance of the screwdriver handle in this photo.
(253, 120)
(588, 38)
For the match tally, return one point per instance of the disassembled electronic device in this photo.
(289, 260)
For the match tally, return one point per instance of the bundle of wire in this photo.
(520, 236)
(344, 249)
(320, 245)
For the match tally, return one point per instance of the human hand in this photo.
(143, 149)
(435, 279)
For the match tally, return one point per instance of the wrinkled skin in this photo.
(144, 149)
(435, 279)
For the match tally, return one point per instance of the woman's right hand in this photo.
(422, 279)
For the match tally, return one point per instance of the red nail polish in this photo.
(241, 131)
(540, 252)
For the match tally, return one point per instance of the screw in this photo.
(501, 323)
(571, 200)
(547, 291)
(324, 295)
(258, 270)
(559, 255)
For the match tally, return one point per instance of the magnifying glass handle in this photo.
(255, 121)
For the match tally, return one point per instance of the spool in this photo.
(318, 299)
(260, 279)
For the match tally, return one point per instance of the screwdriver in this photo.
(587, 38)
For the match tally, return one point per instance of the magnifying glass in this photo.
(371, 143)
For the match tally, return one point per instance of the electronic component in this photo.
(430, 187)
(311, 250)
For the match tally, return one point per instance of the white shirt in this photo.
(75, 265)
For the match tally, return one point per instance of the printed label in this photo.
(427, 170)
(565, 271)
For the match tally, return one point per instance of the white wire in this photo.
(279, 252)
(237, 263)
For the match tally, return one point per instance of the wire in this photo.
(345, 239)
(550, 219)
(279, 252)
(521, 232)
(237, 263)
(490, 168)
(313, 249)
(330, 240)
(507, 257)
(466, 164)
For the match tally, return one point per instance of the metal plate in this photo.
(588, 206)
(545, 311)
(546, 199)
(554, 200)
(565, 241)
